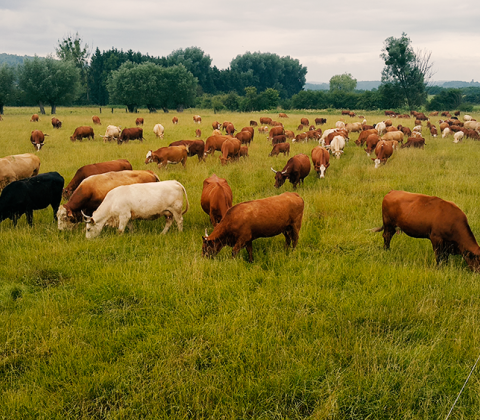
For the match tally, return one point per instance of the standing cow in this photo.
(216, 198)
(37, 138)
(321, 160)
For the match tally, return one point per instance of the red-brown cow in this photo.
(139, 121)
(280, 148)
(95, 169)
(383, 150)
(320, 121)
(195, 147)
(216, 125)
(279, 139)
(283, 115)
(83, 132)
(56, 123)
(198, 133)
(253, 123)
(362, 138)
(216, 198)
(96, 120)
(230, 150)
(230, 129)
(250, 130)
(371, 143)
(304, 121)
(37, 138)
(416, 142)
(244, 136)
(165, 155)
(429, 217)
(175, 120)
(265, 120)
(34, 118)
(290, 134)
(345, 112)
(296, 170)
(197, 119)
(265, 218)
(127, 134)
(275, 131)
(243, 152)
(321, 160)
(214, 143)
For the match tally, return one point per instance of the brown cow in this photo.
(175, 120)
(34, 118)
(383, 150)
(371, 143)
(304, 121)
(82, 133)
(225, 125)
(416, 142)
(127, 134)
(329, 137)
(95, 169)
(300, 128)
(230, 129)
(253, 123)
(265, 218)
(433, 131)
(198, 133)
(216, 125)
(216, 198)
(214, 143)
(429, 217)
(139, 121)
(301, 137)
(282, 115)
(345, 112)
(91, 192)
(394, 135)
(244, 136)
(405, 130)
(321, 160)
(320, 121)
(250, 130)
(197, 119)
(96, 120)
(165, 155)
(37, 138)
(296, 170)
(56, 123)
(195, 147)
(279, 139)
(433, 114)
(362, 138)
(230, 150)
(265, 120)
(352, 114)
(290, 134)
(275, 131)
(280, 148)
(243, 152)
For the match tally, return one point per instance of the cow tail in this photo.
(186, 199)
(377, 229)
(156, 176)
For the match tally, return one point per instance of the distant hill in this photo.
(13, 59)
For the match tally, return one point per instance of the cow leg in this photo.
(179, 220)
(250, 251)
(388, 232)
(168, 223)
(241, 244)
(122, 223)
(440, 250)
(29, 214)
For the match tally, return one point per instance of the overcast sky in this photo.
(328, 38)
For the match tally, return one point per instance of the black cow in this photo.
(24, 196)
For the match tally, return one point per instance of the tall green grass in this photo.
(141, 326)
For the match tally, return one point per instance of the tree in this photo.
(406, 71)
(343, 82)
(447, 99)
(49, 81)
(7, 79)
(70, 49)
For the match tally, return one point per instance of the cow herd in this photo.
(113, 193)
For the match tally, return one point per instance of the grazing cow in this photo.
(296, 170)
(371, 143)
(383, 150)
(16, 167)
(301, 137)
(230, 129)
(457, 113)
(389, 113)
(249, 130)
(388, 123)
(275, 131)
(135, 133)
(362, 138)
(225, 125)
(272, 216)
(337, 145)
(217, 133)
(195, 147)
(391, 128)
(429, 217)
(165, 155)
(304, 121)
(458, 136)
(433, 114)
(280, 148)
(471, 134)
(433, 131)
(329, 137)
(139, 121)
(34, 118)
(467, 118)
(263, 129)
(354, 127)
(345, 112)
(340, 124)
(83, 132)
(37, 138)
(244, 136)
(198, 133)
(159, 130)
(416, 142)
(243, 152)
(216, 125)
(139, 201)
(111, 133)
(279, 139)
(230, 150)
(321, 160)
(351, 114)
(95, 169)
(381, 128)
(405, 130)
(282, 115)
(28, 194)
(265, 120)
(320, 121)
(300, 127)
(175, 120)
(197, 119)
(289, 134)
(96, 120)
(421, 116)
(445, 114)
(214, 143)
(216, 198)
(253, 123)
(91, 192)
(393, 135)
(56, 123)
(472, 125)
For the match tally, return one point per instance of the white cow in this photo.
(139, 201)
(340, 124)
(325, 134)
(159, 130)
(446, 132)
(467, 118)
(111, 133)
(472, 125)
(381, 128)
(458, 136)
(336, 146)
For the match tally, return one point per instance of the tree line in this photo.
(187, 78)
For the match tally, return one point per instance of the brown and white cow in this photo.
(264, 218)
(175, 120)
(321, 160)
(198, 133)
(197, 119)
(296, 170)
(82, 132)
(429, 217)
(371, 143)
(383, 150)
(37, 138)
(216, 198)
(216, 125)
(165, 155)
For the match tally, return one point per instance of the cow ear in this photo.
(69, 213)
(372, 158)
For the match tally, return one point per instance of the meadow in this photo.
(141, 326)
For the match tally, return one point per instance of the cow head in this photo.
(38, 146)
(337, 153)
(92, 229)
(280, 178)
(65, 218)
(377, 161)
(149, 157)
(210, 247)
(473, 260)
(321, 170)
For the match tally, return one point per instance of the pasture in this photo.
(141, 326)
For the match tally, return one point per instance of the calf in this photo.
(416, 142)
(198, 133)
(165, 155)
(280, 148)
(56, 123)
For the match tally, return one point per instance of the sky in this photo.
(328, 38)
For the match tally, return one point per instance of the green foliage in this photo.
(343, 83)
(7, 79)
(447, 99)
(49, 81)
(405, 71)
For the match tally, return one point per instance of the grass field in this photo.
(141, 326)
